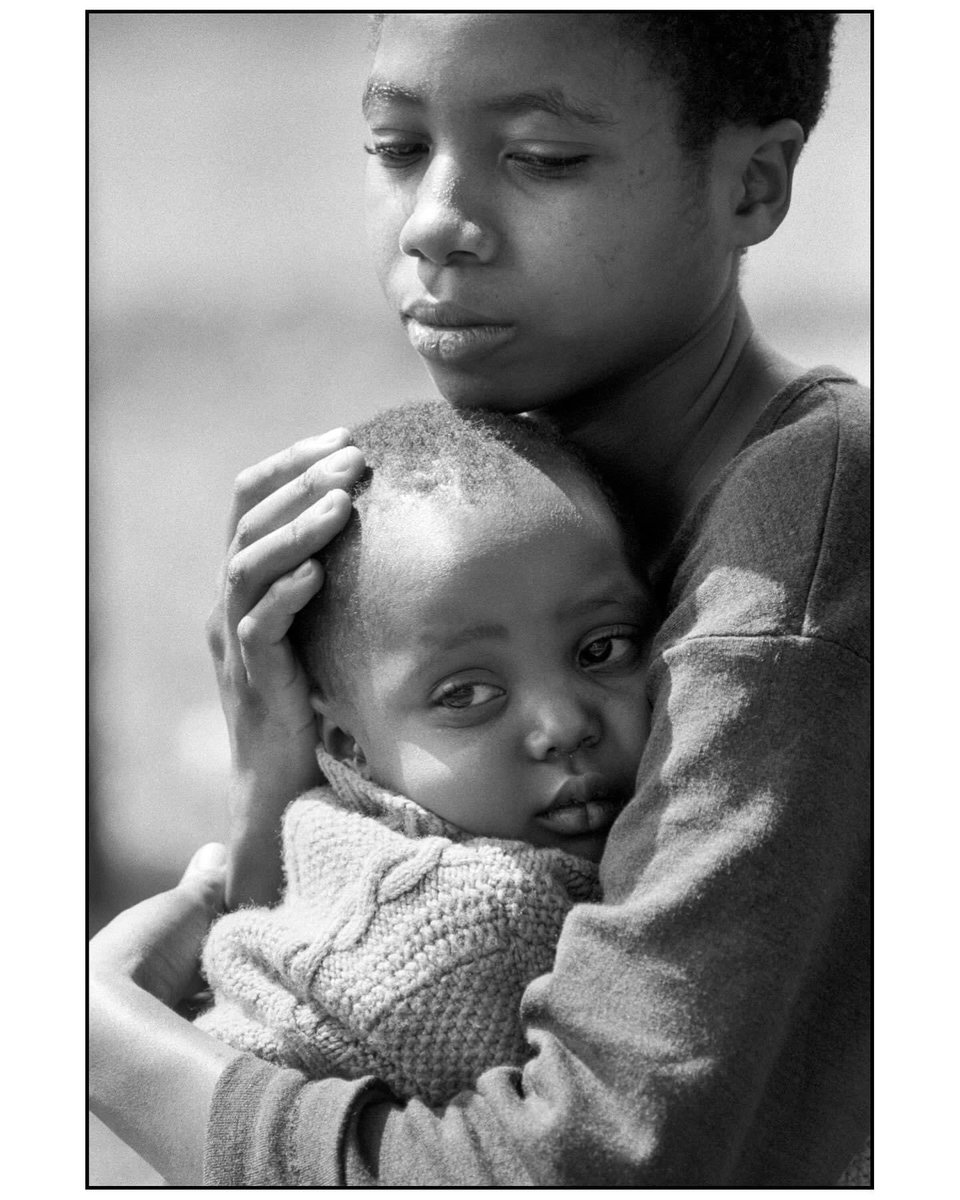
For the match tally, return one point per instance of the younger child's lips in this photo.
(582, 805)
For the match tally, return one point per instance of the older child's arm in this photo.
(709, 1023)
(286, 509)
(705, 1026)
(152, 1075)
(701, 1027)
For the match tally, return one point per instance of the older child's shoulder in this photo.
(780, 544)
(804, 473)
(821, 407)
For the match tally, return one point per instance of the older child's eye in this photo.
(465, 695)
(548, 166)
(397, 154)
(617, 648)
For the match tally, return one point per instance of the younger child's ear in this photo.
(765, 178)
(332, 734)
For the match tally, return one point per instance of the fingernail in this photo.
(210, 857)
(339, 462)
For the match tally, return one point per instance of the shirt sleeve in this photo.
(706, 1024)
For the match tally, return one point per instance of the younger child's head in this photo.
(558, 202)
(480, 642)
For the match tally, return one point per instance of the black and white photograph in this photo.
(480, 539)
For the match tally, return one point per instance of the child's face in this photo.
(534, 220)
(503, 684)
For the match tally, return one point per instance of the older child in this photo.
(480, 689)
(559, 205)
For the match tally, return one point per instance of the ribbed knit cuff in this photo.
(273, 1127)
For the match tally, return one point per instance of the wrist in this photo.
(254, 864)
(255, 822)
(258, 796)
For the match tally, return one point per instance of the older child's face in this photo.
(503, 687)
(535, 223)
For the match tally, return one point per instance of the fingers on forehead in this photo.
(255, 484)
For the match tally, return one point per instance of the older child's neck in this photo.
(661, 441)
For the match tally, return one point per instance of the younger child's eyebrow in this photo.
(595, 604)
(548, 100)
(453, 638)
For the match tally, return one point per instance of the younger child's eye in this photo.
(465, 695)
(396, 154)
(617, 648)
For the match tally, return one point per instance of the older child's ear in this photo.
(332, 734)
(765, 178)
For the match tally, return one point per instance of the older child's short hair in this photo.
(418, 449)
(741, 68)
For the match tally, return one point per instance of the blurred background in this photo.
(233, 309)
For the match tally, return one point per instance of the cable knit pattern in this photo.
(401, 947)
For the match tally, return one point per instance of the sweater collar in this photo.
(350, 791)
(356, 794)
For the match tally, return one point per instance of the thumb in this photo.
(211, 857)
(208, 871)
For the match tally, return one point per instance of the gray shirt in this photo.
(709, 1023)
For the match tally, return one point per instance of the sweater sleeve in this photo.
(708, 1023)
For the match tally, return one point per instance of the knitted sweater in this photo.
(401, 947)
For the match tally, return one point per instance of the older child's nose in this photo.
(560, 726)
(446, 225)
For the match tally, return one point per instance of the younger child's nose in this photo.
(561, 728)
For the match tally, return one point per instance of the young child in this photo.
(479, 664)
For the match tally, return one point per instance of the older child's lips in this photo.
(447, 333)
